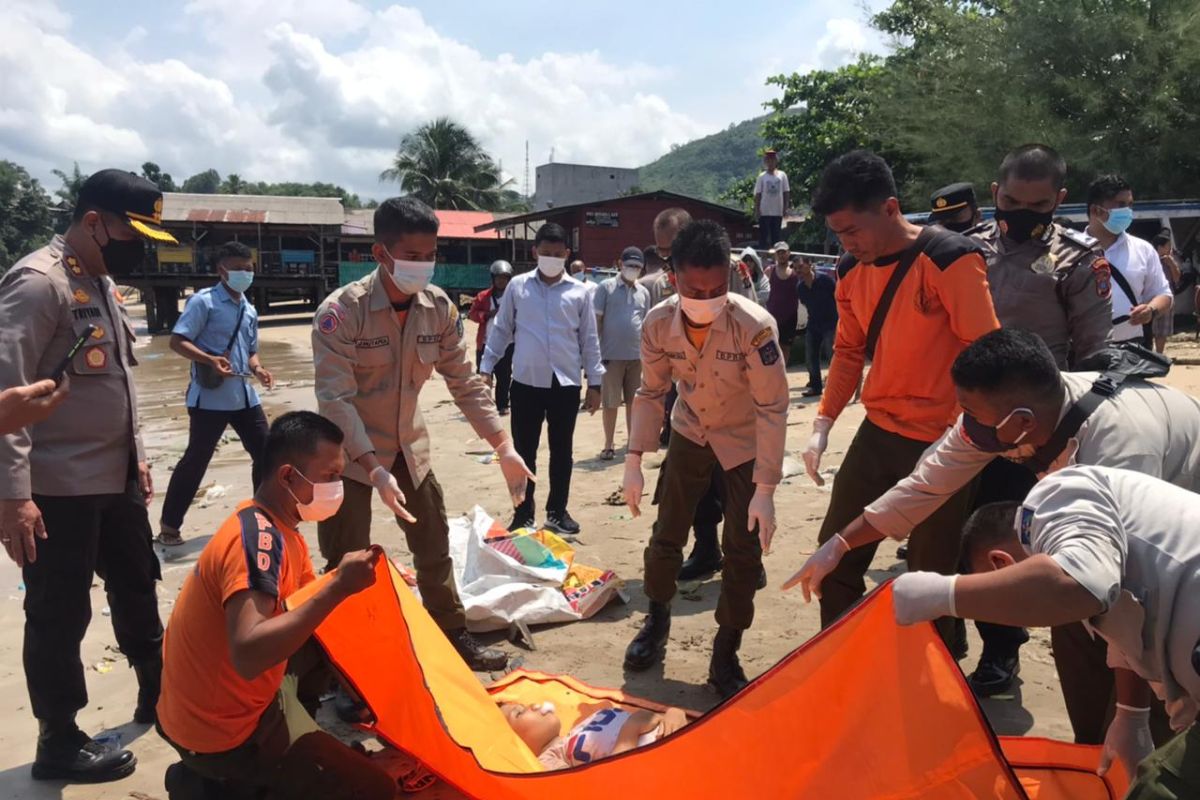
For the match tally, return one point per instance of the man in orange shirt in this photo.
(237, 666)
(939, 304)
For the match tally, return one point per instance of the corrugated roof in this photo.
(452, 224)
(252, 209)
(551, 213)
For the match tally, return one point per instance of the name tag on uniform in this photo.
(675, 356)
(428, 338)
(723, 356)
(91, 312)
(381, 341)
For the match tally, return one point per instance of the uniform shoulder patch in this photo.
(330, 319)
(1025, 525)
(769, 353)
(1079, 238)
(947, 247)
(1102, 274)
(761, 336)
(262, 543)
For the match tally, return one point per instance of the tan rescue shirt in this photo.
(733, 393)
(1057, 286)
(88, 444)
(369, 372)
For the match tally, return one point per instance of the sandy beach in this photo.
(590, 650)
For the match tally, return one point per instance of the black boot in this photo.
(149, 677)
(650, 645)
(478, 657)
(66, 753)
(704, 560)
(725, 673)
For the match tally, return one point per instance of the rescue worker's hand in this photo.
(22, 406)
(145, 482)
(922, 597)
(762, 516)
(389, 492)
(1128, 739)
(591, 401)
(633, 484)
(264, 377)
(21, 526)
(1141, 315)
(221, 364)
(816, 447)
(819, 565)
(357, 570)
(516, 472)
(489, 379)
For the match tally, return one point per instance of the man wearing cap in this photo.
(783, 300)
(484, 307)
(817, 291)
(75, 487)
(772, 197)
(954, 208)
(621, 305)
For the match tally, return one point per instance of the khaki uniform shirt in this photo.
(1057, 286)
(1131, 541)
(89, 442)
(369, 371)
(1145, 427)
(733, 393)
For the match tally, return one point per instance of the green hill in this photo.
(707, 167)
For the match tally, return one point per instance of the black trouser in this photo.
(1002, 480)
(709, 510)
(107, 535)
(816, 341)
(770, 230)
(558, 408)
(204, 433)
(502, 373)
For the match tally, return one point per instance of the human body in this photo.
(818, 292)
(603, 733)
(483, 309)
(772, 199)
(621, 305)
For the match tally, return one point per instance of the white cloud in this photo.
(310, 90)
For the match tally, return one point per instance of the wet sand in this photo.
(589, 650)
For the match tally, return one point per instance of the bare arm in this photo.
(1034, 593)
(641, 722)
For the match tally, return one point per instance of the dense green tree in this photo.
(163, 180)
(26, 221)
(67, 195)
(206, 182)
(233, 184)
(443, 164)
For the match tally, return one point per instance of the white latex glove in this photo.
(516, 473)
(819, 564)
(762, 514)
(816, 447)
(633, 484)
(1128, 738)
(923, 596)
(389, 491)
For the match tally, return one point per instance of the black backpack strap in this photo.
(1126, 288)
(1104, 387)
(907, 259)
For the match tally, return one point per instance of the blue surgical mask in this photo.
(1119, 220)
(239, 280)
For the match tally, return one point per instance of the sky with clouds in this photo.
(323, 90)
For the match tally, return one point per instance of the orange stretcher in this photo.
(816, 725)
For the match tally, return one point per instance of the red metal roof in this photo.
(462, 224)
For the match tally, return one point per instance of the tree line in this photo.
(1111, 84)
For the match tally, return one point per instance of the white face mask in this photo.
(411, 277)
(550, 266)
(327, 499)
(631, 274)
(703, 312)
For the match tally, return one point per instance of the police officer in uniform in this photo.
(954, 208)
(1047, 279)
(74, 488)
(375, 343)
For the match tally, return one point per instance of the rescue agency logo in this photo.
(81, 296)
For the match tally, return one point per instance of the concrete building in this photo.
(558, 185)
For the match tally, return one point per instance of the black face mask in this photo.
(121, 256)
(985, 437)
(1023, 224)
(958, 227)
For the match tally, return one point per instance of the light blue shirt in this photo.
(207, 322)
(622, 308)
(553, 329)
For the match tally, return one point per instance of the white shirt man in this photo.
(1142, 268)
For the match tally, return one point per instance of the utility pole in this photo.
(527, 171)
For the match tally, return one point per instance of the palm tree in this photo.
(233, 184)
(442, 164)
(69, 193)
